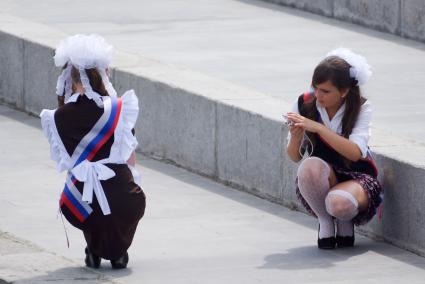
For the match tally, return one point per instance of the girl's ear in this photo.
(344, 93)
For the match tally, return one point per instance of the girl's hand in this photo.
(297, 132)
(304, 123)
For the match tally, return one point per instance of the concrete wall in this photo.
(231, 134)
(405, 18)
(321, 7)
(12, 77)
(26, 80)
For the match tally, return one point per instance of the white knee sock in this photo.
(344, 228)
(342, 205)
(313, 183)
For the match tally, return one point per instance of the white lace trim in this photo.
(108, 86)
(88, 89)
(58, 152)
(84, 51)
(124, 140)
(64, 82)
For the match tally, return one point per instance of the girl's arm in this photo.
(342, 145)
(294, 143)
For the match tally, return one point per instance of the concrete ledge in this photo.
(12, 77)
(413, 19)
(376, 14)
(400, 17)
(231, 134)
(321, 7)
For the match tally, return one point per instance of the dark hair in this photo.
(95, 79)
(337, 71)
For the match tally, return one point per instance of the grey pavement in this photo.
(251, 43)
(194, 231)
(21, 262)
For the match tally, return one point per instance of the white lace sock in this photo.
(313, 182)
(342, 205)
(344, 228)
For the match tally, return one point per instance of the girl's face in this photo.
(328, 96)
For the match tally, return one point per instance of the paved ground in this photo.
(23, 262)
(250, 43)
(194, 230)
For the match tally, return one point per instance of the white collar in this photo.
(336, 123)
(91, 95)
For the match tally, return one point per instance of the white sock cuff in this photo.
(345, 194)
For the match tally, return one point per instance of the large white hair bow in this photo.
(360, 69)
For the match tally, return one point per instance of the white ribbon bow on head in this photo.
(91, 173)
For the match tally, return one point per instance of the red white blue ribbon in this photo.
(91, 172)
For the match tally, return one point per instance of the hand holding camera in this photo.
(287, 121)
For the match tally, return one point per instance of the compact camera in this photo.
(286, 120)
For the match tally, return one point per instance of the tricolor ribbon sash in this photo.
(91, 172)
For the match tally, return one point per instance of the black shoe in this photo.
(326, 243)
(344, 242)
(121, 262)
(92, 260)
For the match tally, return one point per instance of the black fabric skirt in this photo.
(369, 183)
(110, 236)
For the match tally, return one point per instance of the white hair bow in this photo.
(360, 69)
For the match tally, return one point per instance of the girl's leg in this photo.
(315, 177)
(344, 201)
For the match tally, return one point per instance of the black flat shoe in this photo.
(326, 243)
(344, 242)
(92, 260)
(121, 262)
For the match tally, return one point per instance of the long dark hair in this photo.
(95, 79)
(337, 71)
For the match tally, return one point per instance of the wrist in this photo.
(296, 139)
(320, 128)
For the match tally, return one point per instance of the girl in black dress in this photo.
(92, 138)
(338, 181)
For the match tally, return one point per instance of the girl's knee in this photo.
(313, 168)
(341, 204)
